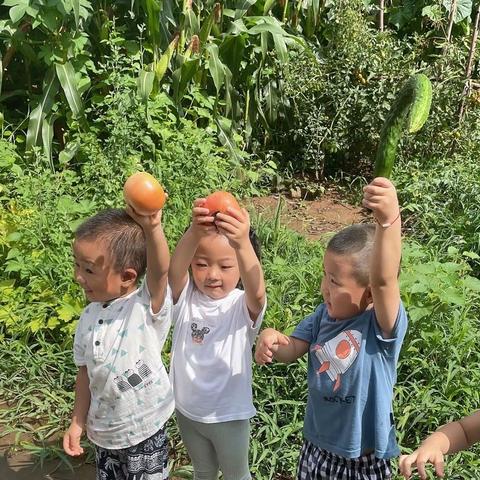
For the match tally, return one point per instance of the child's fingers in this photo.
(200, 211)
(239, 215)
(71, 445)
(263, 356)
(199, 202)
(439, 465)
(283, 339)
(226, 227)
(381, 182)
(66, 444)
(405, 464)
(421, 462)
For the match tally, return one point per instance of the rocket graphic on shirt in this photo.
(338, 354)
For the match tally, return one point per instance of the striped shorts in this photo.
(318, 464)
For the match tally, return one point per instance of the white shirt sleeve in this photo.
(79, 345)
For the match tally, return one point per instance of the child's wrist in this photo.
(390, 222)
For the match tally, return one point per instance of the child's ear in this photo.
(129, 276)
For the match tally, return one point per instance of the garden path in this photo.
(312, 218)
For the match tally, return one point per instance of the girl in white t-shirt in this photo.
(215, 325)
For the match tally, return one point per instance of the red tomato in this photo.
(220, 201)
(143, 193)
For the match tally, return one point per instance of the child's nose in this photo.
(78, 277)
(213, 273)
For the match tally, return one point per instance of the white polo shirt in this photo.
(120, 342)
(211, 365)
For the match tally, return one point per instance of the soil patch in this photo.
(313, 219)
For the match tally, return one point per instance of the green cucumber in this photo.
(408, 113)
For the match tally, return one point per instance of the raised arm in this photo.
(186, 247)
(236, 227)
(380, 196)
(158, 256)
(449, 438)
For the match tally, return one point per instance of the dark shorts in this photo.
(146, 461)
(318, 464)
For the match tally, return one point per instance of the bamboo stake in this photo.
(468, 69)
(451, 19)
(381, 15)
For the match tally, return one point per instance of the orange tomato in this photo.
(220, 201)
(143, 193)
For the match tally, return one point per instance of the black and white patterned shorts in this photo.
(318, 464)
(146, 461)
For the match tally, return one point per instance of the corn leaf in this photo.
(182, 76)
(76, 12)
(206, 27)
(231, 51)
(268, 6)
(242, 6)
(145, 84)
(66, 75)
(280, 47)
(47, 135)
(216, 67)
(50, 88)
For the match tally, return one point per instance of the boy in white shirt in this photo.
(123, 396)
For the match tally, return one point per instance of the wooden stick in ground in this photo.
(451, 19)
(381, 15)
(468, 68)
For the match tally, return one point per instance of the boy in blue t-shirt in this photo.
(353, 340)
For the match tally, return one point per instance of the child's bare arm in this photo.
(158, 256)
(381, 197)
(186, 247)
(273, 345)
(236, 226)
(71, 438)
(449, 438)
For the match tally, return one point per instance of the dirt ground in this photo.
(312, 218)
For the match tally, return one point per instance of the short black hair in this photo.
(123, 236)
(356, 241)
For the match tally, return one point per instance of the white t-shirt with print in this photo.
(120, 342)
(211, 366)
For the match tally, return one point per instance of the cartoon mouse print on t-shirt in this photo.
(338, 354)
(198, 334)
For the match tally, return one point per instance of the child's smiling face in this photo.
(343, 295)
(94, 272)
(215, 267)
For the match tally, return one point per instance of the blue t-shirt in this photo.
(351, 374)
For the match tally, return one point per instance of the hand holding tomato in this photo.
(220, 202)
(143, 193)
(202, 221)
(235, 225)
(147, 222)
(210, 211)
